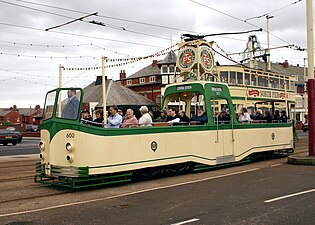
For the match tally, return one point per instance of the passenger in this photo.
(86, 117)
(277, 116)
(120, 112)
(99, 121)
(224, 117)
(268, 117)
(258, 115)
(201, 117)
(244, 116)
(162, 117)
(145, 119)
(171, 115)
(130, 120)
(114, 120)
(183, 118)
(284, 118)
(152, 115)
(70, 111)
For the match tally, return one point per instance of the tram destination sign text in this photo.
(181, 88)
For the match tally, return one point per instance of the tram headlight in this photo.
(69, 147)
(41, 146)
(69, 158)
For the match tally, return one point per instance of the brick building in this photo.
(151, 80)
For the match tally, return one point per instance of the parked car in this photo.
(17, 132)
(32, 128)
(8, 136)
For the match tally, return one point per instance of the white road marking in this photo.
(289, 196)
(275, 165)
(186, 221)
(127, 194)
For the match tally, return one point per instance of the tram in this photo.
(74, 154)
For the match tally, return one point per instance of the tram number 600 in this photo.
(70, 135)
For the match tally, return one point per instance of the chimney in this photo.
(154, 63)
(37, 107)
(122, 75)
(286, 64)
(99, 80)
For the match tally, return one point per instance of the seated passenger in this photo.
(130, 120)
(86, 117)
(268, 117)
(99, 121)
(171, 115)
(114, 120)
(283, 117)
(145, 119)
(120, 112)
(244, 116)
(201, 117)
(224, 117)
(183, 118)
(162, 117)
(258, 115)
(277, 116)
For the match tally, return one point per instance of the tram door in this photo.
(224, 127)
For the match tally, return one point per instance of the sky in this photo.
(30, 56)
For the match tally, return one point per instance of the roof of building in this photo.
(116, 94)
(151, 69)
(170, 58)
(26, 111)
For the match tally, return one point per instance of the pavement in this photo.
(302, 158)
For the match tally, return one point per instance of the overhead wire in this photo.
(236, 18)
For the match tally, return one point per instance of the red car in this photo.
(8, 136)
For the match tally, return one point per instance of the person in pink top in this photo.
(130, 120)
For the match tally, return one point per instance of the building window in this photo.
(152, 78)
(171, 69)
(8, 119)
(142, 80)
(164, 69)
(129, 82)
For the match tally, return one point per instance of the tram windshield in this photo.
(67, 104)
(49, 105)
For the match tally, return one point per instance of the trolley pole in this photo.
(268, 43)
(310, 83)
(60, 86)
(104, 90)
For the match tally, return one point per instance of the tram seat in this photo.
(160, 124)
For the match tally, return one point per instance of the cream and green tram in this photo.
(74, 152)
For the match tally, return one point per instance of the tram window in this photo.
(232, 77)
(253, 78)
(247, 79)
(287, 84)
(220, 111)
(224, 76)
(282, 83)
(292, 85)
(239, 78)
(274, 82)
(49, 105)
(262, 81)
(69, 104)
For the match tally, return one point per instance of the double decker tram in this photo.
(75, 154)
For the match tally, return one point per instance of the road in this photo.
(267, 192)
(27, 146)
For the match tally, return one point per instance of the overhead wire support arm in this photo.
(72, 21)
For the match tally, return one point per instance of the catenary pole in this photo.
(310, 82)
(60, 86)
(104, 90)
